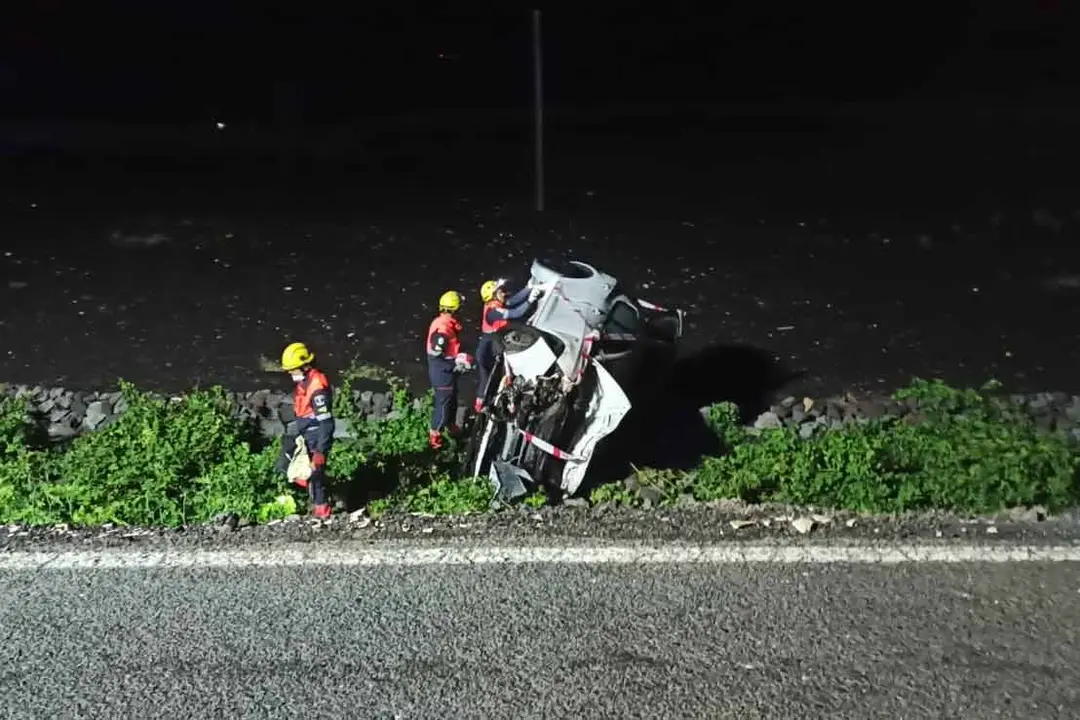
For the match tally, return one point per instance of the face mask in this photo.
(297, 377)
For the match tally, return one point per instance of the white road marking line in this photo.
(627, 554)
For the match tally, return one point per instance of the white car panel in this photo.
(532, 363)
(607, 407)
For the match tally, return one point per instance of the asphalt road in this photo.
(541, 640)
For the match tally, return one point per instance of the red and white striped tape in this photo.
(547, 447)
(651, 306)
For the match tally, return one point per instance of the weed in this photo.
(189, 460)
(15, 428)
(436, 493)
(723, 419)
(969, 451)
(610, 493)
(537, 499)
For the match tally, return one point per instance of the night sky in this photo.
(135, 61)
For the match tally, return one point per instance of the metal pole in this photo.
(538, 111)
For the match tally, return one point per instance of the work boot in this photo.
(321, 511)
(434, 439)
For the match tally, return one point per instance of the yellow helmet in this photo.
(450, 301)
(488, 289)
(296, 356)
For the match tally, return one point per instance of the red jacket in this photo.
(443, 340)
(313, 401)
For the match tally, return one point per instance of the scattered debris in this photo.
(1032, 514)
(228, 522)
(803, 525)
(137, 240)
(1062, 282)
(1045, 219)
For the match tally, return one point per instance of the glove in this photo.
(463, 362)
(318, 460)
(535, 293)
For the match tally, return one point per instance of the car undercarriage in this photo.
(565, 379)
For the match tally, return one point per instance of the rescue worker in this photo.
(498, 311)
(445, 360)
(312, 405)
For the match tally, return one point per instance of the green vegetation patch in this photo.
(189, 460)
(963, 450)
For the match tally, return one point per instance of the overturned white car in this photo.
(554, 394)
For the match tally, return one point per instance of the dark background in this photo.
(865, 190)
(140, 62)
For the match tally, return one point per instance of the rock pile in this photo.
(67, 413)
(1051, 411)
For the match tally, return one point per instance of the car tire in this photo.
(515, 338)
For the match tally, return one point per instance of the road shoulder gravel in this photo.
(722, 523)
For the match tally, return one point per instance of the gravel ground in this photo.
(858, 266)
(725, 521)
(965, 640)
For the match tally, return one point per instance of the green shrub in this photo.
(382, 455)
(436, 492)
(189, 460)
(967, 452)
(723, 419)
(176, 462)
(162, 462)
(22, 467)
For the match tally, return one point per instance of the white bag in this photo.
(300, 464)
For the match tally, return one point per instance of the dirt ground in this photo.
(859, 259)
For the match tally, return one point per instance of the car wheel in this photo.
(516, 338)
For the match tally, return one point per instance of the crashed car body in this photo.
(563, 382)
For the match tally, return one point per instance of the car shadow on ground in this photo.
(665, 428)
